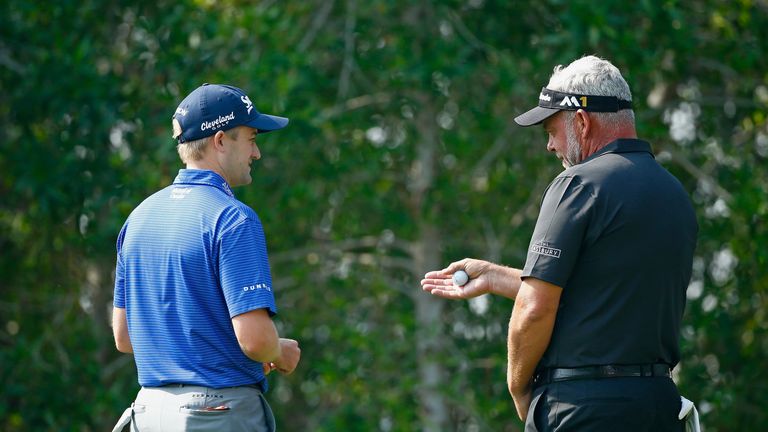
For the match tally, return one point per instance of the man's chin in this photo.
(245, 181)
(568, 163)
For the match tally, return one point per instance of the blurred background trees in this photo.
(401, 157)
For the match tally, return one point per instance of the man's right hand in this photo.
(484, 277)
(290, 353)
(440, 282)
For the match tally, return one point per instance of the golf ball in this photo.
(460, 278)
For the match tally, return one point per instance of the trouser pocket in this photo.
(124, 420)
(534, 421)
(268, 416)
(128, 418)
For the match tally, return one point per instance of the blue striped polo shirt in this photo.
(189, 258)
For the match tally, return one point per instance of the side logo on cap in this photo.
(247, 102)
(181, 111)
(220, 122)
(545, 97)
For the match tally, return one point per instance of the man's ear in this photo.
(218, 141)
(584, 123)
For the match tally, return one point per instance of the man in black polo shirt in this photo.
(596, 323)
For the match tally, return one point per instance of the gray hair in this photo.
(195, 150)
(592, 75)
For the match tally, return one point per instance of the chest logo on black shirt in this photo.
(544, 248)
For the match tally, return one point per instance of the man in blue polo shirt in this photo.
(193, 290)
(595, 327)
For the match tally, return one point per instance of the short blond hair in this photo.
(195, 150)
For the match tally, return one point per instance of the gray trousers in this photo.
(181, 408)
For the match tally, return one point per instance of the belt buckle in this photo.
(542, 377)
(609, 370)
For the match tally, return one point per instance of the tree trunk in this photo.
(426, 256)
(430, 338)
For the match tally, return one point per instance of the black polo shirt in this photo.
(617, 232)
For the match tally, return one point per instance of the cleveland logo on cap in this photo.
(219, 122)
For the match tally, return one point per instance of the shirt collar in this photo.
(203, 177)
(622, 145)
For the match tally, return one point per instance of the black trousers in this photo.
(631, 404)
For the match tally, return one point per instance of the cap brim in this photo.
(266, 123)
(535, 116)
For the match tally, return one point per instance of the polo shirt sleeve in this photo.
(244, 270)
(119, 293)
(560, 231)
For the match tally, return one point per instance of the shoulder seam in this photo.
(238, 206)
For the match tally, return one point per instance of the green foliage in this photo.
(400, 157)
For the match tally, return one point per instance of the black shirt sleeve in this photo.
(560, 230)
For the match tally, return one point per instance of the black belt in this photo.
(551, 375)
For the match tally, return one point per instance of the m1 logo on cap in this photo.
(572, 101)
(247, 102)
